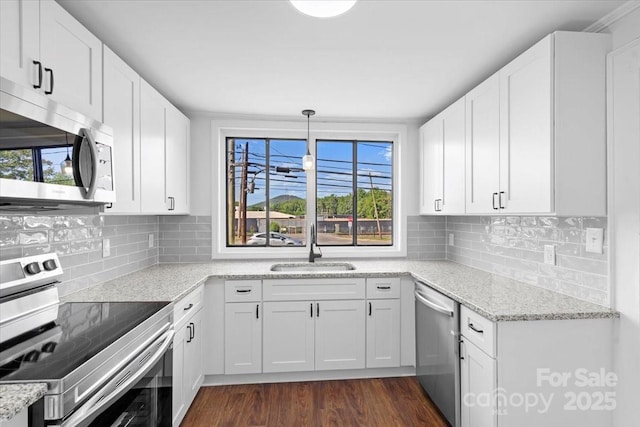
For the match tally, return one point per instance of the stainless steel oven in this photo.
(104, 363)
(50, 155)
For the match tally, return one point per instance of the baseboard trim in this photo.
(284, 377)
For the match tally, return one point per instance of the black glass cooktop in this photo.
(80, 331)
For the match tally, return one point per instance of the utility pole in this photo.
(243, 194)
(231, 189)
(375, 207)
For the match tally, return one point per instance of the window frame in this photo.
(244, 128)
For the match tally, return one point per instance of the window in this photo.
(354, 193)
(266, 192)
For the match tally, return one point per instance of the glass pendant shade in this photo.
(323, 8)
(66, 167)
(307, 162)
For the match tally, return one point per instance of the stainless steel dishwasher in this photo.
(438, 350)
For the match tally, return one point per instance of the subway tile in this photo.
(31, 222)
(194, 258)
(33, 237)
(11, 223)
(11, 252)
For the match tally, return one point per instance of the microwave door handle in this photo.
(87, 138)
(97, 402)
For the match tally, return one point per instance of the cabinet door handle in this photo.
(311, 309)
(172, 204)
(317, 309)
(50, 91)
(39, 64)
(494, 201)
(193, 330)
(108, 205)
(461, 356)
(257, 311)
(189, 329)
(369, 308)
(187, 308)
(500, 200)
(243, 291)
(383, 287)
(473, 328)
(435, 205)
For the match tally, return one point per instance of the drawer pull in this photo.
(384, 288)
(189, 307)
(243, 291)
(473, 328)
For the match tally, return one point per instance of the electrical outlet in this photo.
(451, 239)
(106, 248)
(550, 254)
(594, 240)
(150, 240)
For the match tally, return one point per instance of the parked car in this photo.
(275, 239)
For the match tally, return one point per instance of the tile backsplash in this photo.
(425, 237)
(513, 246)
(185, 239)
(77, 239)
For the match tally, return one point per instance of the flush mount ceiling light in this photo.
(307, 159)
(323, 8)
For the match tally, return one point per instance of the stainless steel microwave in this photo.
(51, 156)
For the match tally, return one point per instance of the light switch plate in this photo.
(451, 239)
(106, 248)
(594, 240)
(150, 240)
(550, 254)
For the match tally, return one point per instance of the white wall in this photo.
(624, 215)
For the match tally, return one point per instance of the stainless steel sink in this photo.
(312, 266)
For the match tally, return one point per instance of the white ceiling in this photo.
(386, 59)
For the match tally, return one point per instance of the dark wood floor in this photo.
(386, 402)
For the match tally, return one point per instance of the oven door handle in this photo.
(120, 384)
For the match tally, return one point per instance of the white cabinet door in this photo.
(340, 335)
(122, 112)
(178, 387)
(483, 147)
(243, 338)
(20, 41)
(383, 333)
(477, 380)
(152, 149)
(453, 153)
(288, 336)
(74, 57)
(431, 167)
(193, 357)
(525, 131)
(177, 161)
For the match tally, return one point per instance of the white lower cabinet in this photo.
(243, 338)
(477, 380)
(535, 373)
(187, 353)
(340, 335)
(383, 333)
(288, 336)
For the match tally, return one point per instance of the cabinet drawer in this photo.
(313, 289)
(242, 290)
(187, 306)
(383, 288)
(478, 330)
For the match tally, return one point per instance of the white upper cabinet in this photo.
(73, 57)
(525, 131)
(536, 131)
(152, 149)
(121, 111)
(177, 161)
(20, 41)
(443, 162)
(46, 49)
(483, 146)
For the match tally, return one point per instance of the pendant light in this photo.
(66, 167)
(308, 160)
(323, 8)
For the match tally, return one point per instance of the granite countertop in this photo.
(14, 398)
(495, 297)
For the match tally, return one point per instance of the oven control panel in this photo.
(20, 274)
